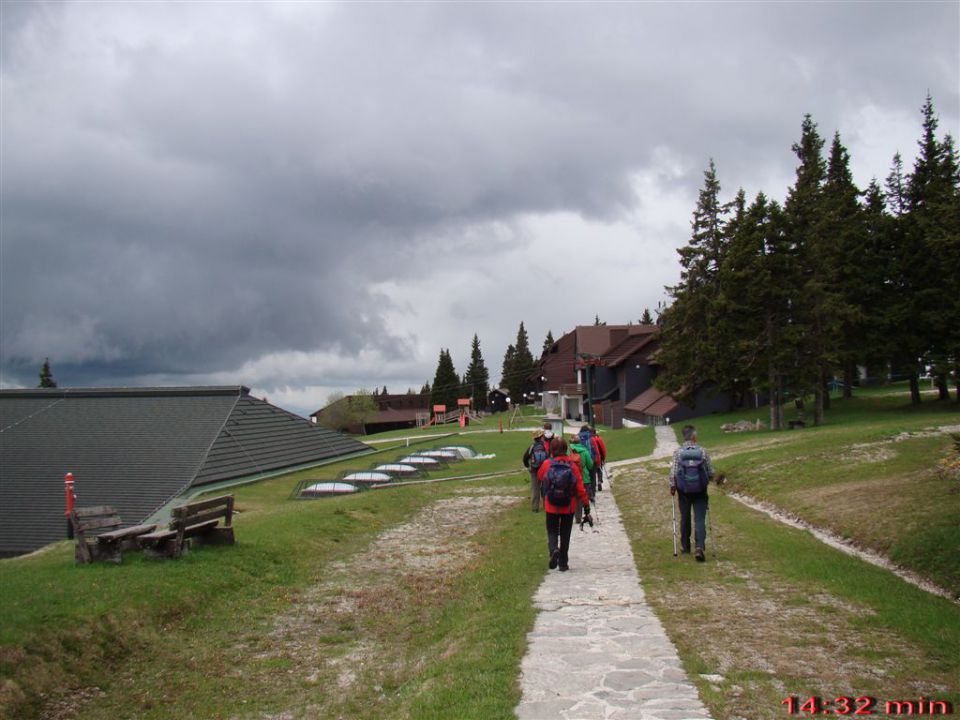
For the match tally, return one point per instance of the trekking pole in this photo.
(673, 509)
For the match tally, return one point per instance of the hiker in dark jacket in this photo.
(601, 458)
(559, 511)
(533, 458)
(689, 475)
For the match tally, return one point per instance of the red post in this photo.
(501, 425)
(68, 488)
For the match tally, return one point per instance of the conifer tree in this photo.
(687, 350)
(46, 376)
(646, 318)
(477, 377)
(900, 280)
(879, 259)
(548, 342)
(446, 382)
(847, 267)
(506, 371)
(754, 301)
(815, 327)
(521, 368)
(932, 240)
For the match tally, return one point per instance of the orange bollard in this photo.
(70, 499)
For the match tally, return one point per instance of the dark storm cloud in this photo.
(188, 187)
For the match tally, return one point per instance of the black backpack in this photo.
(692, 476)
(561, 483)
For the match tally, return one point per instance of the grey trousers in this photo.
(535, 499)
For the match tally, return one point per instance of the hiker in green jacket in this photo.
(578, 450)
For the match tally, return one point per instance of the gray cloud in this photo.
(190, 187)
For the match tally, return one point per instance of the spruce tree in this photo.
(506, 371)
(932, 240)
(548, 341)
(687, 349)
(847, 267)
(815, 330)
(446, 382)
(477, 377)
(879, 260)
(522, 366)
(46, 376)
(646, 318)
(755, 301)
(900, 282)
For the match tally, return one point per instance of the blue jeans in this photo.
(698, 502)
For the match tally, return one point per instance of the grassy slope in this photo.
(183, 637)
(173, 625)
(775, 612)
(851, 477)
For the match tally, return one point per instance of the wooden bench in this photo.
(107, 546)
(198, 521)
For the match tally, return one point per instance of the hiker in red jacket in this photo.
(562, 482)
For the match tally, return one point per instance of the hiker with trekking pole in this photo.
(581, 455)
(562, 485)
(599, 458)
(533, 457)
(690, 474)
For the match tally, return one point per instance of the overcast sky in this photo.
(310, 197)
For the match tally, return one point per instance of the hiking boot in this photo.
(700, 556)
(554, 559)
(685, 551)
(564, 568)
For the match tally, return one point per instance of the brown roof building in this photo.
(394, 412)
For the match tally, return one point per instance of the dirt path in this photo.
(326, 637)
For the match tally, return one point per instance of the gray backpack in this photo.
(692, 475)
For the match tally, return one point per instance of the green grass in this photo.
(176, 623)
(850, 477)
(776, 612)
(628, 442)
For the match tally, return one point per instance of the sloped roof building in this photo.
(137, 449)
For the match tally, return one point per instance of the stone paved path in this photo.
(597, 650)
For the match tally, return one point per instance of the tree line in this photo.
(518, 365)
(787, 300)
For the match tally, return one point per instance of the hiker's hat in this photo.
(537, 433)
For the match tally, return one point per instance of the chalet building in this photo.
(140, 450)
(620, 364)
(394, 412)
(498, 400)
(617, 357)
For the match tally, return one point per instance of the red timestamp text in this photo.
(865, 705)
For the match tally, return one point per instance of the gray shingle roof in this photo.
(136, 449)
